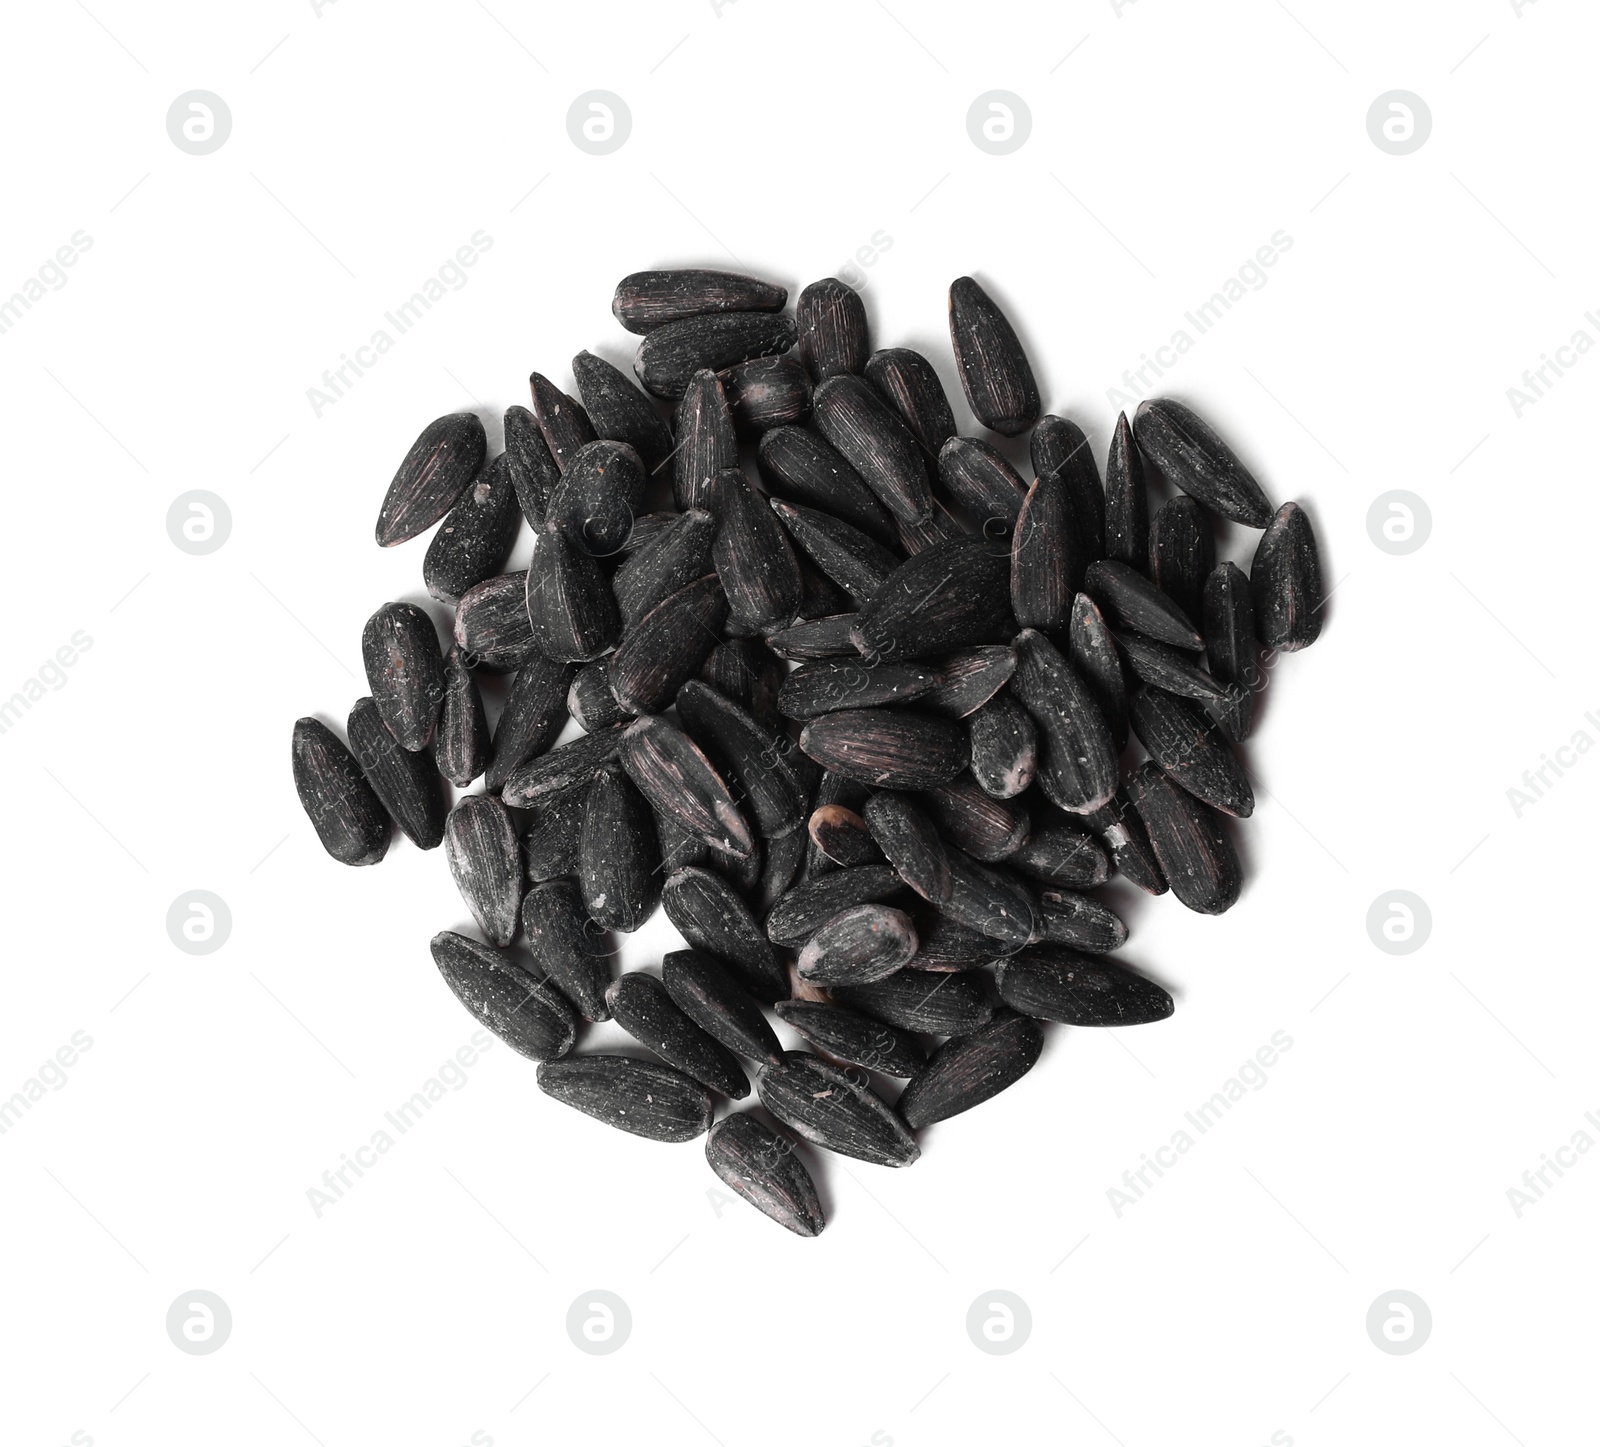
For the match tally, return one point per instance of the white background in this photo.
(1168, 143)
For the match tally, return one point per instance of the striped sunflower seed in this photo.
(829, 684)
(676, 777)
(1186, 452)
(844, 553)
(1230, 629)
(820, 597)
(638, 1096)
(480, 841)
(461, 744)
(551, 846)
(803, 909)
(520, 1007)
(832, 1108)
(563, 424)
(572, 766)
(747, 672)
(1067, 918)
(762, 1166)
(832, 322)
(620, 411)
(438, 468)
(712, 917)
(532, 470)
(475, 538)
(1174, 671)
(994, 369)
(1131, 601)
(1189, 747)
(766, 392)
(978, 479)
(405, 672)
(971, 677)
(645, 300)
(911, 843)
(1059, 449)
(569, 946)
(870, 436)
(971, 1069)
(1190, 841)
(679, 848)
(710, 995)
(1092, 651)
(672, 559)
(1060, 853)
(1286, 582)
(1120, 826)
(944, 945)
(491, 623)
(889, 748)
(646, 527)
(951, 596)
(593, 505)
(407, 784)
(1127, 501)
(1051, 983)
(938, 527)
(831, 788)
(858, 945)
(816, 638)
(781, 861)
(619, 857)
(748, 755)
(1183, 551)
(853, 1038)
(672, 353)
(707, 442)
(987, 828)
(841, 836)
(1047, 557)
(666, 647)
(990, 903)
(1005, 747)
(1077, 756)
(641, 1005)
(570, 611)
(953, 1002)
(799, 466)
(743, 874)
(535, 712)
(590, 700)
(752, 556)
(341, 804)
(908, 383)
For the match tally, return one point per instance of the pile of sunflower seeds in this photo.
(885, 845)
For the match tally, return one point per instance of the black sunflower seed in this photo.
(1186, 452)
(746, 671)
(1092, 650)
(523, 1009)
(994, 369)
(711, 916)
(743, 874)
(800, 466)
(638, 1096)
(978, 479)
(944, 945)
(564, 425)
(1286, 582)
(840, 835)
(816, 638)
(620, 411)
(781, 861)
(951, 596)
(844, 553)
(1077, 756)
(748, 755)
(1005, 747)
(763, 1166)
(858, 945)
(645, 300)
(671, 354)
(828, 685)
(832, 1108)
(491, 623)
(461, 744)
(820, 596)
(911, 843)
(951, 1002)
(990, 903)
(480, 841)
(551, 846)
(532, 719)
(641, 1005)
(1060, 853)
(570, 611)
(707, 992)
(1051, 983)
(674, 557)
(1067, 918)
(706, 441)
(1230, 628)
(938, 527)
(571, 766)
(1127, 502)
(1122, 829)
(439, 467)
(1183, 551)
(1047, 557)
(593, 505)
(679, 848)
(476, 536)
(830, 788)
(752, 556)
(532, 470)
(590, 700)
(1190, 748)
(1059, 449)
(405, 671)
(888, 748)
(970, 678)
(910, 385)
(971, 1069)
(342, 807)
(646, 528)
(407, 784)
(666, 647)
(870, 436)
(854, 1038)
(569, 945)
(1190, 841)
(794, 918)
(1130, 600)
(766, 392)
(832, 322)
(619, 857)
(987, 828)
(1175, 671)
(679, 781)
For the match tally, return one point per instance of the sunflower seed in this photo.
(646, 528)
(938, 527)
(831, 1108)
(761, 1165)
(407, 784)
(1127, 502)
(1189, 747)
(987, 828)
(676, 777)
(833, 329)
(1060, 853)
(638, 1096)
(476, 536)
(645, 300)
(1051, 983)
(971, 1069)
(748, 673)
(1077, 757)
(491, 624)
(764, 393)
(795, 917)
(970, 678)
(1190, 841)
(752, 556)
(1059, 449)
(461, 743)
(841, 836)
(405, 671)
(590, 700)
(619, 858)
(816, 638)
(781, 861)
(572, 766)
(480, 842)
(910, 385)
(951, 596)
(1123, 830)
(950, 1002)
(532, 470)
(569, 945)
(746, 754)
(854, 1038)
(800, 466)
(1186, 452)
(990, 903)
(943, 945)
(1230, 629)
(551, 846)
(978, 479)
(564, 425)
(1005, 747)
(570, 611)
(832, 788)
(1131, 601)
(1092, 650)
(338, 800)
(888, 748)
(1067, 918)
(876, 443)
(711, 917)
(439, 467)
(858, 945)
(820, 596)
(912, 845)
(531, 721)
(706, 441)
(1047, 557)
(674, 557)
(845, 554)
(620, 411)
(641, 1005)
(828, 685)
(1174, 671)
(523, 1009)
(671, 354)
(1286, 582)
(679, 848)
(994, 369)
(594, 503)
(666, 647)
(707, 992)
(743, 874)
(1182, 552)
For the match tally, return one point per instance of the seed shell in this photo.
(911, 843)
(619, 857)
(439, 467)
(1190, 841)
(572, 766)
(1189, 747)
(480, 841)
(593, 505)
(798, 465)
(706, 441)
(461, 744)
(970, 678)
(407, 784)
(951, 596)
(569, 945)
(1059, 449)
(476, 536)
(1185, 451)
(1047, 557)
(1068, 918)
(841, 836)
(1127, 500)
(858, 945)
(887, 748)
(987, 828)
(590, 700)
(978, 479)
(568, 605)
(781, 862)
(1060, 853)
(996, 905)
(766, 392)
(708, 992)
(1286, 582)
(671, 354)
(1077, 756)
(1175, 671)
(952, 1002)
(711, 916)
(1183, 551)
(405, 671)
(1131, 601)
(520, 1007)
(806, 907)
(564, 425)
(1052, 983)
(752, 556)
(748, 673)
(994, 369)
(910, 385)
(762, 1166)
(938, 527)
(641, 1005)
(1230, 629)
(638, 1096)
(535, 712)
(341, 804)
(645, 300)
(673, 773)
(832, 788)
(1122, 829)
(971, 1069)
(620, 411)
(550, 848)
(832, 322)
(666, 647)
(870, 436)
(832, 1108)
(674, 557)
(854, 1038)
(532, 470)
(828, 685)
(816, 638)
(1005, 747)
(748, 755)
(844, 553)
(1092, 651)
(491, 623)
